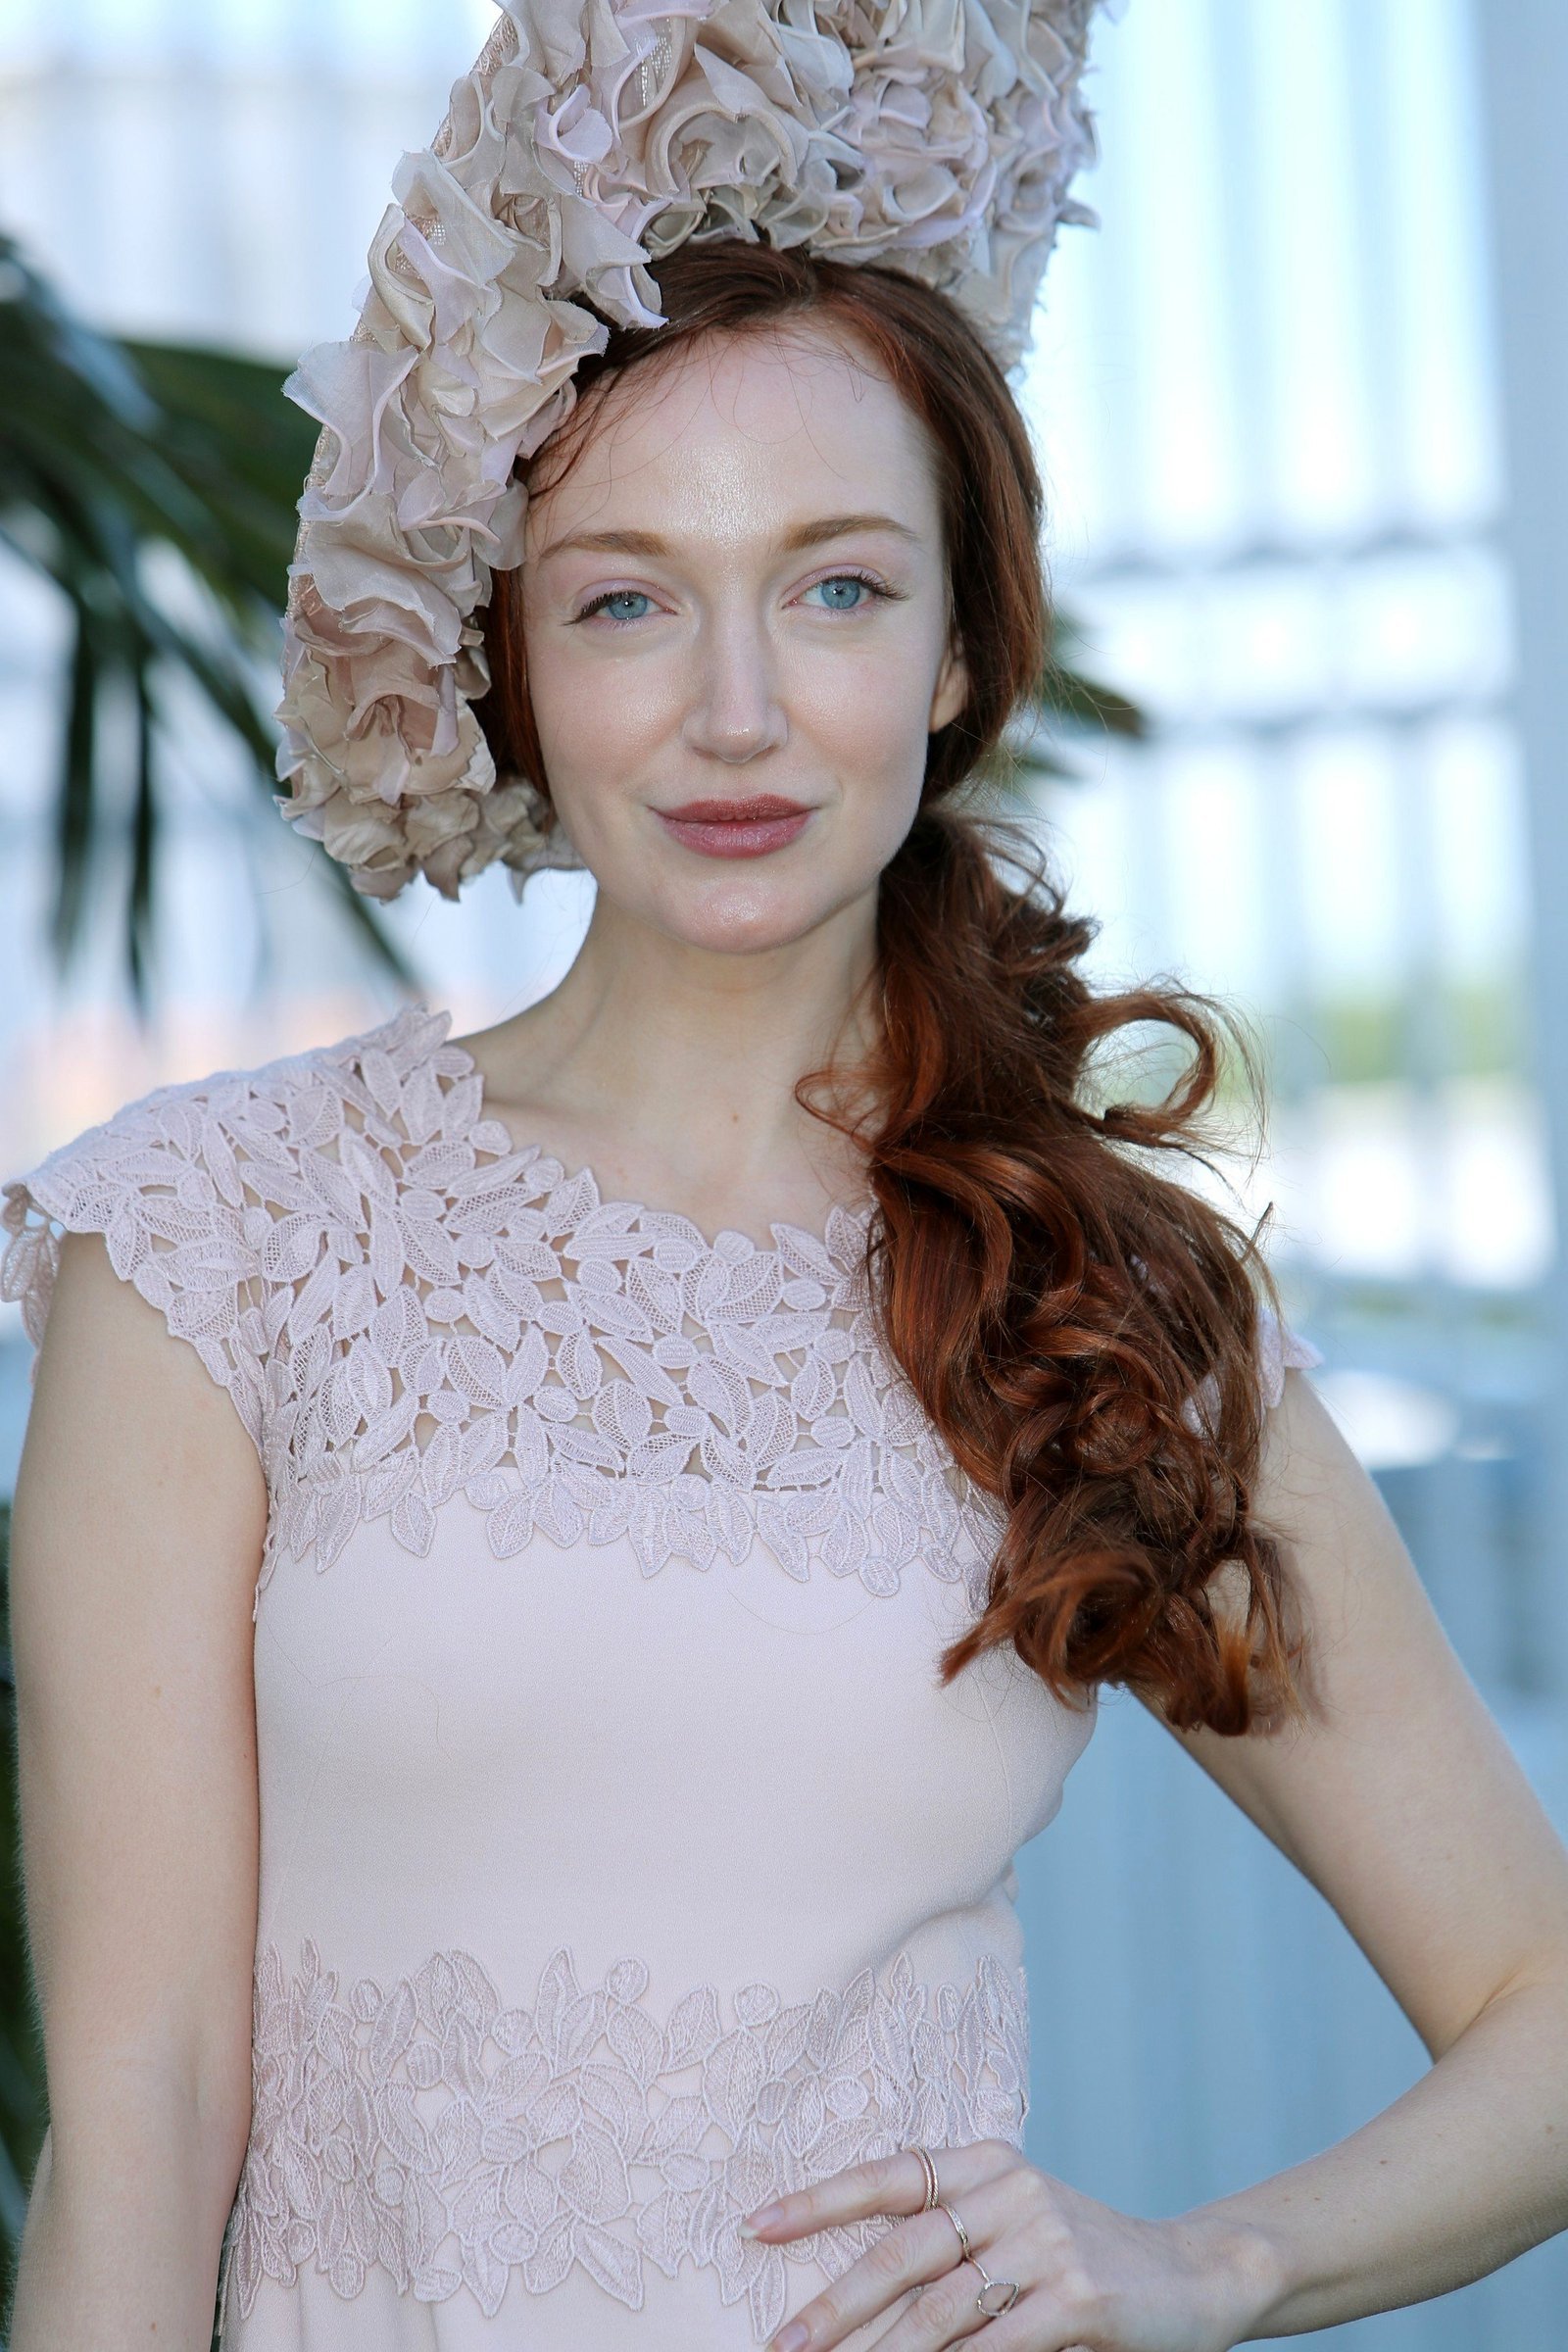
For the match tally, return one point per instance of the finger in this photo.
(922, 2251)
(885, 2184)
(949, 2312)
(1026, 2328)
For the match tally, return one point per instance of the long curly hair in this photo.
(1079, 1325)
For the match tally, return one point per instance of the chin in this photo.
(745, 919)
(760, 935)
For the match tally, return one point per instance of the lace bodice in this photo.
(402, 1305)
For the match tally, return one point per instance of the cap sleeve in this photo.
(1276, 1351)
(161, 1182)
(1280, 1350)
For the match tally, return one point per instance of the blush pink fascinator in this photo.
(591, 137)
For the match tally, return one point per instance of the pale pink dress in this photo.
(623, 1862)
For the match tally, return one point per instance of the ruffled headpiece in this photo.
(592, 137)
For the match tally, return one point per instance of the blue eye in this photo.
(620, 603)
(845, 593)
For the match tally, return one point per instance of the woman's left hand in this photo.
(1090, 2278)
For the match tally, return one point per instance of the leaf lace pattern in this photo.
(455, 2141)
(405, 1308)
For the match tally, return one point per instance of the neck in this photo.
(671, 1069)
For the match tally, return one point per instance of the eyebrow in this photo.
(804, 535)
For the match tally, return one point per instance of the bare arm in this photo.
(139, 1518)
(1404, 1807)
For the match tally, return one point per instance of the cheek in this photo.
(866, 719)
(592, 726)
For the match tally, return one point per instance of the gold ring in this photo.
(930, 2170)
(963, 2234)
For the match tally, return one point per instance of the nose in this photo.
(735, 715)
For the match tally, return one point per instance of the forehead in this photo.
(744, 433)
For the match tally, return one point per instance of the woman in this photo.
(634, 1959)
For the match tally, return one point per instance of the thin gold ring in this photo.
(963, 2234)
(929, 2168)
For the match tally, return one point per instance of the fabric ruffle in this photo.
(592, 137)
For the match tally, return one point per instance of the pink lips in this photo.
(747, 828)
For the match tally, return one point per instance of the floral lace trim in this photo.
(161, 1182)
(454, 2143)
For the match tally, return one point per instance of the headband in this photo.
(591, 138)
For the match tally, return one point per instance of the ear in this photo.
(951, 689)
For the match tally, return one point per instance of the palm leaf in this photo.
(111, 452)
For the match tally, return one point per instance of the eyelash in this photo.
(878, 589)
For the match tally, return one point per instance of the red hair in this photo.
(1053, 1298)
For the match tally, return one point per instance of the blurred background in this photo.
(1300, 403)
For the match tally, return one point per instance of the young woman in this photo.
(692, 1452)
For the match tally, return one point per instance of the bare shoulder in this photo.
(1400, 1798)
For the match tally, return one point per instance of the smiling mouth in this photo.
(750, 828)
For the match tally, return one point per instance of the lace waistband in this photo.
(431, 2129)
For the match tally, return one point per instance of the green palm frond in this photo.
(1065, 694)
(110, 452)
(1066, 708)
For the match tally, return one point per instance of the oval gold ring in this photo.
(1006, 2288)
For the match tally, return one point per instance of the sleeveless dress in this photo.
(623, 1862)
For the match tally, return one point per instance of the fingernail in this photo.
(763, 2218)
(791, 2338)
